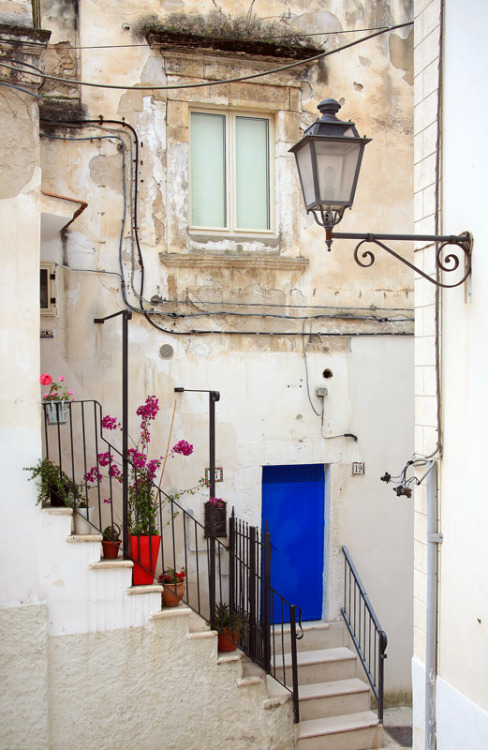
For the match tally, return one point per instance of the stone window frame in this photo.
(49, 268)
(276, 97)
(230, 114)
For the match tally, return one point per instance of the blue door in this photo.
(293, 507)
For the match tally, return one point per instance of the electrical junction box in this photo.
(321, 392)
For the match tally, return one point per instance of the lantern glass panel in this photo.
(305, 170)
(336, 171)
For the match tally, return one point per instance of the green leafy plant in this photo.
(111, 533)
(227, 620)
(170, 575)
(52, 479)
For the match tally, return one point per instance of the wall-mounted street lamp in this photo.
(329, 158)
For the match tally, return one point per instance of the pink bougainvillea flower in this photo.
(110, 423)
(184, 448)
(70, 392)
(46, 379)
(107, 500)
(61, 378)
(217, 501)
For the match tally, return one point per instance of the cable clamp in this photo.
(435, 537)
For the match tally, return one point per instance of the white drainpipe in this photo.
(433, 540)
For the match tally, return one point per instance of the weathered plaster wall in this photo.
(264, 415)
(22, 619)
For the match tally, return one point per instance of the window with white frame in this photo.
(230, 172)
(47, 279)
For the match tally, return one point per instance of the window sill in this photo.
(202, 243)
(231, 260)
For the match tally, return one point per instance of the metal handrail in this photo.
(361, 621)
(246, 585)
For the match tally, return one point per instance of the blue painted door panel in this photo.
(293, 506)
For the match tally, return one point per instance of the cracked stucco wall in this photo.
(264, 416)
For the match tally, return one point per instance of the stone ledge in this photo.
(171, 612)
(81, 538)
(252, 262)
(58, 511)
(111, 564)
(150, 589)
(202, 634)
(231, 658)
(245, 681)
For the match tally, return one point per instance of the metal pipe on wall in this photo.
(434, 538)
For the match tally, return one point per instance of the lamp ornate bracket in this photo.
(447, 261)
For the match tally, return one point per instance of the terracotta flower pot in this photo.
(172, 594)
(111, 549)
(227, 640)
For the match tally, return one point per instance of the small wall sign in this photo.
(219, 475)
(358, 468)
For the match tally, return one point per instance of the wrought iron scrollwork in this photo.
(447, 263)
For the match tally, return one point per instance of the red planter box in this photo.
(144, 551)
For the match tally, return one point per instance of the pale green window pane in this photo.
(208, 208)
(252, 173)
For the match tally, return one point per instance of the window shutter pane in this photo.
(208, 207)
(252, 173)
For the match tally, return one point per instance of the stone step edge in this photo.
(333, 688)
(202, 634)
(230, 658)
(338, 724)
(170, 613)
(117, 563)
(83, 538)
(149, 589)
(321, 656)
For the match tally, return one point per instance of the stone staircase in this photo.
(97, 622)
(334, 695)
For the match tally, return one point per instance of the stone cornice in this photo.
(242, 262)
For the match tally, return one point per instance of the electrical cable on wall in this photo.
(27, 43)
(178, 87)
(149, 313)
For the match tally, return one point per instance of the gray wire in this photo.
(249, 77)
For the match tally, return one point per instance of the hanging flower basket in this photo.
(57, 412)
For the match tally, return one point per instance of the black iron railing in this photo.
(238, 574)
(369, 638)
(271, 631)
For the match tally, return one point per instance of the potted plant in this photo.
(111, 541)
(173, 583)
(55, 486)
(229, 625)
(143, 500)
(56, 399)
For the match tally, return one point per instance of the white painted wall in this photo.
(462, 687)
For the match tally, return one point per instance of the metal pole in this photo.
(125, 429)
(213, 396)
(126, 316)
(433, 541)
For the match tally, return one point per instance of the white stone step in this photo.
(333, 698)
(316, 634)
(357, 731)
(322, 665)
